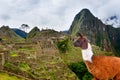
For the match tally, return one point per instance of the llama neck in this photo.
(87, 53)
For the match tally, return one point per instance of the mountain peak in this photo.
(84, 13)
(83, 20)
(85, 10)
(33, 32)
(36, 28)
(5, 27)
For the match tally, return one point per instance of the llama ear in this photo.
(79, 34)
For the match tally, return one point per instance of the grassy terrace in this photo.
(4, 76)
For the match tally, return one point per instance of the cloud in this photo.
(56, 14)
(5, 17)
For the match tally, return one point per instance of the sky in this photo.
(53, 14)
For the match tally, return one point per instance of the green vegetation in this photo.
(98, 39)
(8, 36)
(72, 58)
(63, 45)
(13, 54)
(80, 70)
(6, 64)
(4, 76)
(33, 32)
(1, 39)
(54, 66)
(24, 66)
(2, 47)
(98, 51)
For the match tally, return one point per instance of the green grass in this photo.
(72, 55)
(26, 49)
(14, 54)
(98, 51)
(5, 76)
(24, 67)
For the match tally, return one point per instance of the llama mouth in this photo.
(76, 44)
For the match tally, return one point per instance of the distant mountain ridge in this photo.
(97, 32)
(20, 32)
(8, 35)
(13, 35)
(38, 35)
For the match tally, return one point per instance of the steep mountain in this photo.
(86, 23)
(8, 35)
(82, 20)
(33, 32)
(114, 37)
(20, 32)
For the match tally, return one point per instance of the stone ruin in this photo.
(3, 57)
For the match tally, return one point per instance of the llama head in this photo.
(82, 42)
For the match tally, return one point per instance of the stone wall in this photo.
(3, 57)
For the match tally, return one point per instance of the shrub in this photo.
(63, 45)
(0, 39)
(81, 71)
(24, 67)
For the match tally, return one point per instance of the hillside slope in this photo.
(33, 32)
(20, 32)
(7, 35)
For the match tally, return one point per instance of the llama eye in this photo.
(78, 41)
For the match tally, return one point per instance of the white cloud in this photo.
(56, 14)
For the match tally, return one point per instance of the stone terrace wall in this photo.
(4, 55)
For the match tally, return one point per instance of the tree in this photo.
(0, 39)
(63, 46)
(24, 27)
